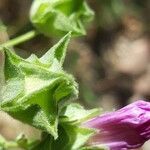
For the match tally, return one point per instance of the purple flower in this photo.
(127, 128)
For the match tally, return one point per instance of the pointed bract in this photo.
(58, 51)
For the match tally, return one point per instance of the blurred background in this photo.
(111, 64)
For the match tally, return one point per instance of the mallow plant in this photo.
(40, 93)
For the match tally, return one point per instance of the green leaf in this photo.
(36, 89)
(77, 114)
(57, 17)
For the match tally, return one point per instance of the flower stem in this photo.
(25, 37)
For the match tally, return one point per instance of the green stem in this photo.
(9, 145)
(25, 37)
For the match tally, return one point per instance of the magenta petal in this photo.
(124, 129)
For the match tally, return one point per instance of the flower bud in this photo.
(58, 17)
(127, 128)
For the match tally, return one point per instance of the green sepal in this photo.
(71, 137)
(76, 113)
(72, 134)
(94, 148)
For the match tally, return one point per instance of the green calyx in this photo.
(57, 17)
(36, 89)
(72, 135)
